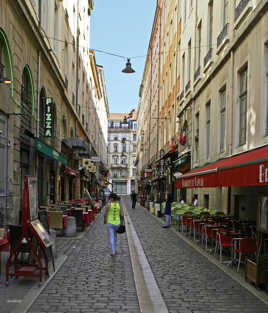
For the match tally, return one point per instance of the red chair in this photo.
(246, 246)
(185, 222)
(225, 242)
(208, 235)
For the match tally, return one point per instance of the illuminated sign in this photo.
(49, 117)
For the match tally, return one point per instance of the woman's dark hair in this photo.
(113, 196)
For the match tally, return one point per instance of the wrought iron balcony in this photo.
(222, 35)
(208, 57)
(188, 85)
(181, 95)
(240, 8)
(197, 73)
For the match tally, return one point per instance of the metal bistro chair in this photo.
(225, 242)
(246, 246)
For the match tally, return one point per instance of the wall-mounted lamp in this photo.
(3, 80)
(128, 69)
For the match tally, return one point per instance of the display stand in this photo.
(31, 227)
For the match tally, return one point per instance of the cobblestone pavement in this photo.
(188, 281)
(91, 280)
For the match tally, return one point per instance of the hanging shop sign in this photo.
(95, 159)
(49, 117)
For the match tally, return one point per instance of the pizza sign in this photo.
(49, 117)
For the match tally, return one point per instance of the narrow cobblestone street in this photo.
(91, 280)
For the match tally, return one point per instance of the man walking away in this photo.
(133, 199)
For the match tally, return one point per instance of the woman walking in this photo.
(168, 210)
(112, 216)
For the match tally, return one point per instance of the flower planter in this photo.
(253, 274)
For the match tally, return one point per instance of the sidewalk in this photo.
(24, 288)
(189, 281)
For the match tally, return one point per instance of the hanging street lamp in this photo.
(128, 69)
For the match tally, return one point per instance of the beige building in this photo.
(46, 113)
(222, 103)
(122, 147)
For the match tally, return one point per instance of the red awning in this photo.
(245, 169)
(70, 171)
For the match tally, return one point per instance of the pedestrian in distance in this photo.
(194, 201)
(168, 210)
(112, 217)
(133, 199)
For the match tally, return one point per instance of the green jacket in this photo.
(114, 213)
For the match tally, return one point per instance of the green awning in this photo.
(181, 160)
(44, 148)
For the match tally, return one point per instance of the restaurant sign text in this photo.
(193, 182)
(49, 117)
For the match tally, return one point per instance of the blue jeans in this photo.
(113, 235)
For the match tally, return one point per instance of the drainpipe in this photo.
(229, 201)
(77, 66)
(231, 105)
(38, 94)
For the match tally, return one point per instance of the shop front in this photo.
(48, 172)
(235, 182)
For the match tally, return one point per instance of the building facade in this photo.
(122, 146)
(221, 99)
(47, 112)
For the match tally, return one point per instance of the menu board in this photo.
(32, 185)
(42, 233)
(262, 217)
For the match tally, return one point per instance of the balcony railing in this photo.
(181, 95)
(208, 57)
(240, 8)
(197, 73)
(222, 35)
(188, 85)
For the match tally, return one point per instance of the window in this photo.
(183, 71)
(44, 19)
(124, 160)
(124, 147)
(225, 12)
(56, 30)
(66, 61)
(189, 60)
(134, 148)
(185, 10)
(115, 147)
(210, 24)
(208, 129)
(266, 83)
(206, 201)
(243, 105)
(133, 172)
(222, 118)
(134, 137)
(26, 99)
(115, 159)
(198, 47)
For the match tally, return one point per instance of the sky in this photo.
(122, 27)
